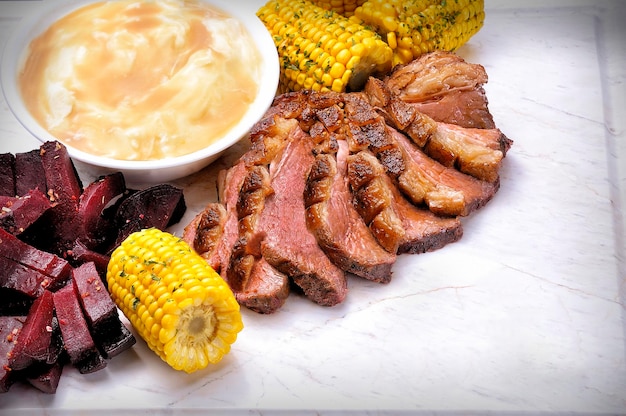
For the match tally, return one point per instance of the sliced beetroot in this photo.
(45, 378)
(92, 202)
(23, 279)
(29, 173)
(7, 174)
(49, 264)
(77, 339)
(158, 206)
(35, 339)
(93, 296)
(80, 254)
(64, 189)
(10, 327)
(115, 340)
(64, 184)
(108, 332)
(19, 213)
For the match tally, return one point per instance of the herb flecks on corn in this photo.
(343, 7)
(322, 50)
(415, 27)
(177, 303)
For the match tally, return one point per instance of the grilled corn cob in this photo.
(322, 50)
(176, 302)
(414, 27)
(343, 7)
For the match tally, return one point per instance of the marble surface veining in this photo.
(525, 314)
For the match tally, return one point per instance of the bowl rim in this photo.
(15, 51)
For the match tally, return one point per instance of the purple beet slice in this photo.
(80, 254)
(77, 339)
(92, 202)
(10, 327)
(45, 378)
(109, 334)
(7, 174)
(49, 264)
(158, 206)
(19, 213)
(29, 173)
(35, 339)
(15, 276)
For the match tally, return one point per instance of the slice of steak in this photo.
(444, 190)
(267, 288)
(229, 184)
(10, 327)
(477, 152)
(373, 200)
(77, 339)
(206, 231)
(336, 224)
(448, 88)
(268, 139)
(256, 284)
(34, 343)
(465, 108)
(20, 212)
(7, 174)
(288, 245)
(416, 230)
(29, 172)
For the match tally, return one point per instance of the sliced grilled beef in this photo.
(204, 233)
(414, 230)
(288, 245)
(477, 152)
(445, 190)
(338, 227)
(373, 201)
(447, 88)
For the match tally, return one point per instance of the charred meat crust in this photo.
(338, 183)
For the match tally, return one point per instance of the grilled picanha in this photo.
(338, 184)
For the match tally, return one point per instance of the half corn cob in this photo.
(414, 27)
(343, 7)
(176, 302)
(322, 50)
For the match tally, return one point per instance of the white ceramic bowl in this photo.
(153, 171)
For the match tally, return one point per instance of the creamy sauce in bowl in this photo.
(139, 79)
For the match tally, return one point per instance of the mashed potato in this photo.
(141, 80)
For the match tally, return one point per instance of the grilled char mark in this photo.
(336, 224)
(476, 152)
(255, 188)
(422, 230)
(268, 139)
(204, 233)
(445, 190)
(288, 245)
(228, 184)
(373, 200)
